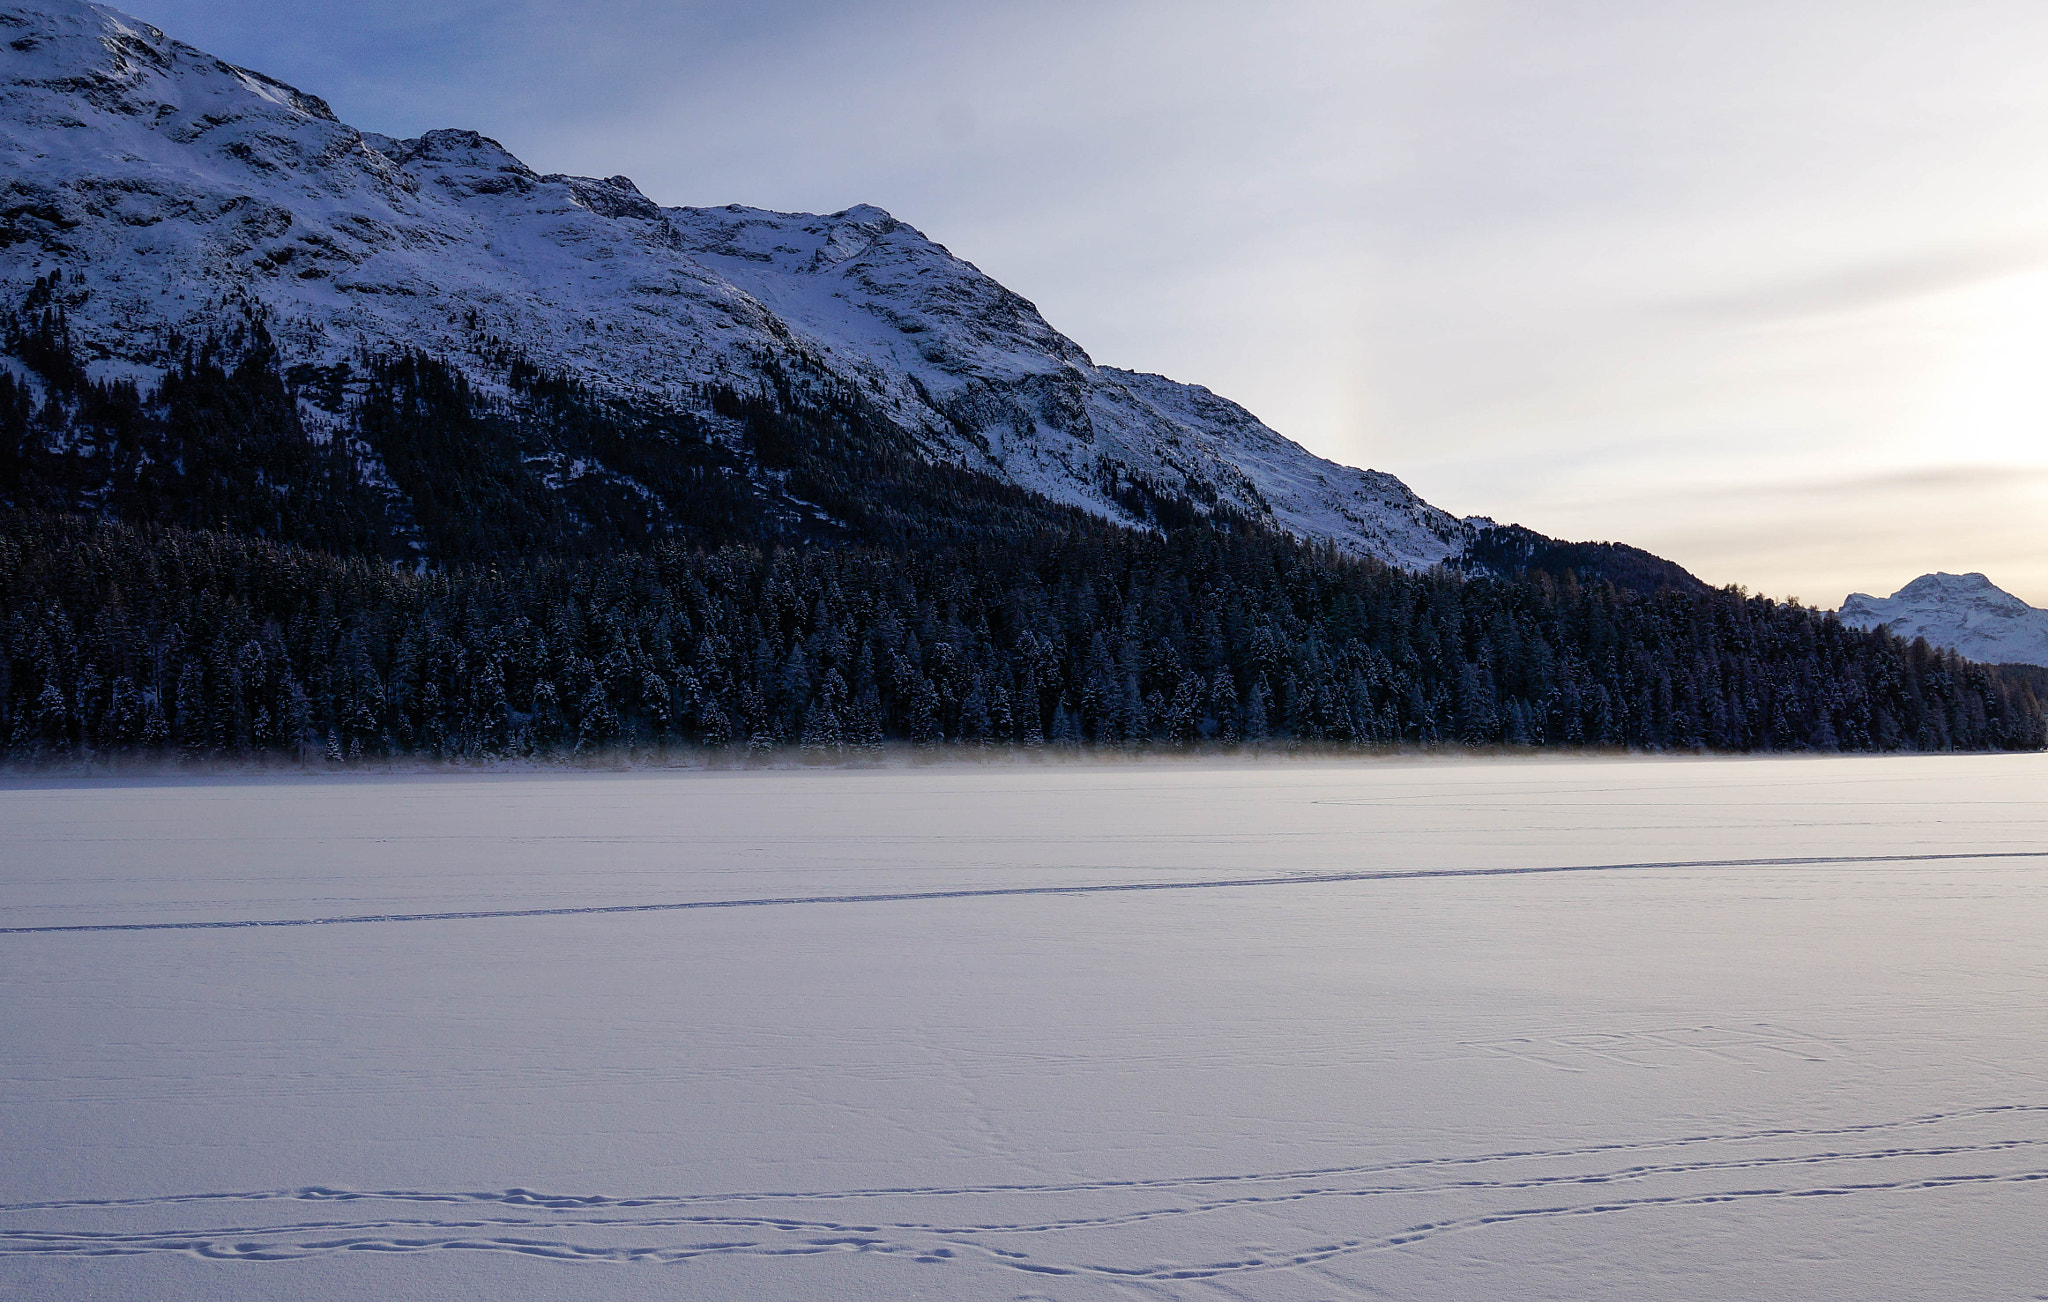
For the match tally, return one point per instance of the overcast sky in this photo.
(1762, 287)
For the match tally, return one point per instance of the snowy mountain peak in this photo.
(1972, 587)
(450, 152)
(113, 60)
(1965, 612)
(167, 185)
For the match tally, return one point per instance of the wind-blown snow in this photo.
(176, 187)
(1965, 612)
(1546, 1029)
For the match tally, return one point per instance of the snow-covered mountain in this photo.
(1965, 612)
(174, 189)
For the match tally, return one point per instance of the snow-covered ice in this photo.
(1770, 1029)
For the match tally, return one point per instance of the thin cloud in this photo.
(1970, 480)
(1868, 285)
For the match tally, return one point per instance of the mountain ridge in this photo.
(174, 190)
(130, 146)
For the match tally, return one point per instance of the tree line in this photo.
(143, 640)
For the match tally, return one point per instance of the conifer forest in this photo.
(198, 571)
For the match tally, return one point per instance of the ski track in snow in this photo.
(570, 1228)
(1102, 888)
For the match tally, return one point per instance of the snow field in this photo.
(1808, 1064)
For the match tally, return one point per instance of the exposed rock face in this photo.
(1965, 612)
(172, 187)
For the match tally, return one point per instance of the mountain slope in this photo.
(174, 190)
(1964, 612)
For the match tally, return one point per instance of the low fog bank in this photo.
(898, 757)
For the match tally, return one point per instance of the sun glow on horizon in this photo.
(1989, 403)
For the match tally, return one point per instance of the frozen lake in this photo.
(1738, 1028)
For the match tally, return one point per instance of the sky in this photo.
(1761, 287)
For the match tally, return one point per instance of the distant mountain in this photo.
(1964, 612)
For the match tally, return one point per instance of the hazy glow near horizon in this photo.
(1760, 287)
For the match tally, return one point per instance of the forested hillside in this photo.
(787, 571)
(317, 442)
(401, 457)
(138, 641)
